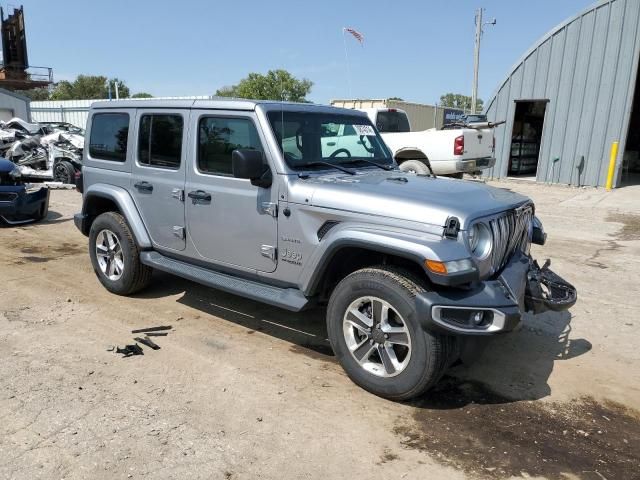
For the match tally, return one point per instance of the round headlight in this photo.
(480, 241)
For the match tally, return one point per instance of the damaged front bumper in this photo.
(496, 306)
(19, 204)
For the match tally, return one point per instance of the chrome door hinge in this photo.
(178, 232)
(270, 208)
(268, 251)
(178, 194)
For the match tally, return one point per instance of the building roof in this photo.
(554, 31)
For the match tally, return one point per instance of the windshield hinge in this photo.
(270, 208)
(451, 228)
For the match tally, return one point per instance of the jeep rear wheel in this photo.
(115, 256)
(375, 334)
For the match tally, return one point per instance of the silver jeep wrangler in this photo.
(299, 205)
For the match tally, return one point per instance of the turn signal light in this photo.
(436, 267)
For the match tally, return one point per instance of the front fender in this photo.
(126, 207)
(411, 245)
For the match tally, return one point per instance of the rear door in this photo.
(158, 174)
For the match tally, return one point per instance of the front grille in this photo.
(510, 233)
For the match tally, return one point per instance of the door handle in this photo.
(144, 186)
(331, 144)
(199, 195)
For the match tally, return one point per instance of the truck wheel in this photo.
(64, 172)
(414, 166)
(115, 256)
(375, 334)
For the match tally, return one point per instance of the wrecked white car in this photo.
(43, 151)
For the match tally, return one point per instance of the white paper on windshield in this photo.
(364, 129)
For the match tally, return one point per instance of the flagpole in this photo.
(346, 57)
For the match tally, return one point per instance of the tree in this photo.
(396, 98)
(37, 94)
(141, 95)
(275, 85)
(457, 100)
(89, 87)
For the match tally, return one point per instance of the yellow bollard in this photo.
(612, 165)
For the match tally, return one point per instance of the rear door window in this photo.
(391, 121)
(109, 136)
(160, 140)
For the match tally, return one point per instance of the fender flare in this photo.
(395, 243)
(409, 149)
(125, 205)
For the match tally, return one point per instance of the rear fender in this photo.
(126, 207)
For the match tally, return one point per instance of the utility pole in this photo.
(476, 56)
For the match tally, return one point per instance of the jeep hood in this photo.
(410, 197)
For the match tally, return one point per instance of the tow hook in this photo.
(547, 290)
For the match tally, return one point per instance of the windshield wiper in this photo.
(327, 164)
(371, 162)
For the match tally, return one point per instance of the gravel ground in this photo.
(240, 390)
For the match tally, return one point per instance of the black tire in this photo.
(135, 276)
(415, 166)
(65, 172)
(430, 353)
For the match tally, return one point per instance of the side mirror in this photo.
(250, 164)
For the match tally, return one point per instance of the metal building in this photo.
(570, 97)
(76, 112)
(13, 105)
(421, 116)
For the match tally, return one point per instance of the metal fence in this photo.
(77, 111)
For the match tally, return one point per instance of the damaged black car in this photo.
(20, 202)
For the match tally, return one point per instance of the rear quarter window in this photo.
(109, 136)
(390, 121)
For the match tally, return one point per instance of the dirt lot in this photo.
(242, 391)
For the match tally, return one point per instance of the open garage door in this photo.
(526, 137)
(630, 174)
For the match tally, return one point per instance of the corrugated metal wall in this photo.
(76, 112)
(586, 68)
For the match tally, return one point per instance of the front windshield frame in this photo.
(321, 121)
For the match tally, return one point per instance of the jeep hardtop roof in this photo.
(222, 104)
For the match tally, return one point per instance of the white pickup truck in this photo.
(449, 151)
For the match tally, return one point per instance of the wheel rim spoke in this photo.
(388, 363)
(363, 351)
(359, 320)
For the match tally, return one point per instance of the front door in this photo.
(229, 220)
(158, 174)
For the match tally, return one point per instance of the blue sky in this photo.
(414, 49)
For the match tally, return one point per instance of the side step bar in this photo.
(287, 298)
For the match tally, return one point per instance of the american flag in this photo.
(357, 35)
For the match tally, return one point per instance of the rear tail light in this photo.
(493, 148)
(458, 145)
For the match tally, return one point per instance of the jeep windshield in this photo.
(311, 141)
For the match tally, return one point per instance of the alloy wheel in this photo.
(377, 336)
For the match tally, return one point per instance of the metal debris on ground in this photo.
(43, 151)
(130, 350)
(152, 329)
(148, 342)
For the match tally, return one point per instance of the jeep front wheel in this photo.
(115, 256)
(375, 334)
